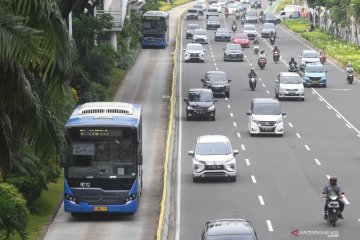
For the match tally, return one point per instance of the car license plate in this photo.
(100, 209)
(315, 82)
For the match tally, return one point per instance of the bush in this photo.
(13, 212)
(30, 187)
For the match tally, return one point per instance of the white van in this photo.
(290, 11)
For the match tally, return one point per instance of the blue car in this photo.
(314, 75)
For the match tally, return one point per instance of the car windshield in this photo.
(213, 148)
(269, 26)
(222, 30)
(200, 97)
(213, 18)
(315, 69)
(217, 77)
(290, 79)
(252, 14)
(212, 10)
(233, 47)
(192, 11)
(310, 55)
(230, 237)
(249, 28)
(193, 26)
(266, 109)
(200, 32)
(194, 47)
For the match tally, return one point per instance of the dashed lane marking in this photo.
(231, 115)
(317, 161)
(290, 124)
(298, 135)
(228, 106)
(234, 124)
(262, 203)
(253, 179)
(348, 125)
(247, 162)
(243, 147)
(238, 134)
(307, 147)
(270, 227)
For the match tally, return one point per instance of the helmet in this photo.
(349, 65)
(333, 180)
(262, 51)
(292, 59)
(252, 70)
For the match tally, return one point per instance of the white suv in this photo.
(289, 85)
(213, 157)
(265, 117)
(194, 52)
(308, 56)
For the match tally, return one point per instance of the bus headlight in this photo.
(70, 198)
(130, 198)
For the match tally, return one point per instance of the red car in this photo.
(241, 38)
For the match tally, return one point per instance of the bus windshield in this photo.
(153, 26)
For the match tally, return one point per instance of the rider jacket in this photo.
(251, 74)
(349, 70)
(330, 189)
(293, 62)
(276, 50)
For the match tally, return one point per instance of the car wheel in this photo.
(276, 95)
(195, 179)
(233, 179)
(227, 94)
(302, 99)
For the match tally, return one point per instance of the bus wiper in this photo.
(91, 172)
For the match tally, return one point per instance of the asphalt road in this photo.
(147, 83)
(279, 179)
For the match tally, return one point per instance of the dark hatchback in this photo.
(233, 52)
(229, 229)
(213, 22)
(222, 34)
(200, 104)
(190, 30)
(218, 82)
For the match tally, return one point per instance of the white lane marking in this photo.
(215, 63)
(290, 124)
(260, 79)
(307, 147)
(270, 227)
(253, 179)
(321, 100)
(231, 115)
(313, 92)
(328, 107)
(356, 130)
(213, 59)
(216, 69)
(338, 116)
(317, 161)
(238, 134)
(359, 220)
(261, 200)
(267, 91)
(358, 135)
(348, 125)
(226, 99)
(298, 135)
(212, 55)
(264, 85)
(234, 124)
(328, 177)
(345, 200)
(247, 162)
(228, 106)
(242, 147)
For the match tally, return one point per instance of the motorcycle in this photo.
(252, 83)
(256, 49)
(322, 58)
(276, 56)
(272, 40)
(350, 77)
(261, 63)
(234, 28)
(333, 209)
(242, 20)
(293, 68)
(227, 15)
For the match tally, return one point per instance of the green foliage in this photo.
(13, 212)
(30, 187)
(282, 5)
(296, 25)
(151, 5)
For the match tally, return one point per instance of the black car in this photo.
(269, 18)
(218, 82)
(192, 14)
(213, 22)
(255, 4)
(233, 52)
(200, 104)
(229, 229)
(190, 29)
(222, 34)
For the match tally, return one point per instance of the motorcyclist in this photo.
(276, 49)
(293, 62)
(252, 73)
(226, 10)
(272, 37)
(234, 26)
(349, 69)
(256, 41)
(331, 189)
(262, 55)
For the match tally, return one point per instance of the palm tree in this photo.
(36, 57)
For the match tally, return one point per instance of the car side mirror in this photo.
(277, 81)
(248, 113)
(284, 113)
(236, 152)
(191, 153)
(229, 80)
(202, 80)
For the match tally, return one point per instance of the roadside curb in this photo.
(51, 218)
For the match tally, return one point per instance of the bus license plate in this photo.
(100, 209)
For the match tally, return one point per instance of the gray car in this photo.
(213, 22)
(190, 29)
(233, 52)
(267, 28)
(222, 34)
(192, 14)
(251, 17)
(229, 229)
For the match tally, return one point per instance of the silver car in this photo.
(213, 157)
(194, 52)
(200, 36)
(289, 85)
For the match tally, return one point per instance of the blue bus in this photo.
(103, 158)
(155, 29)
